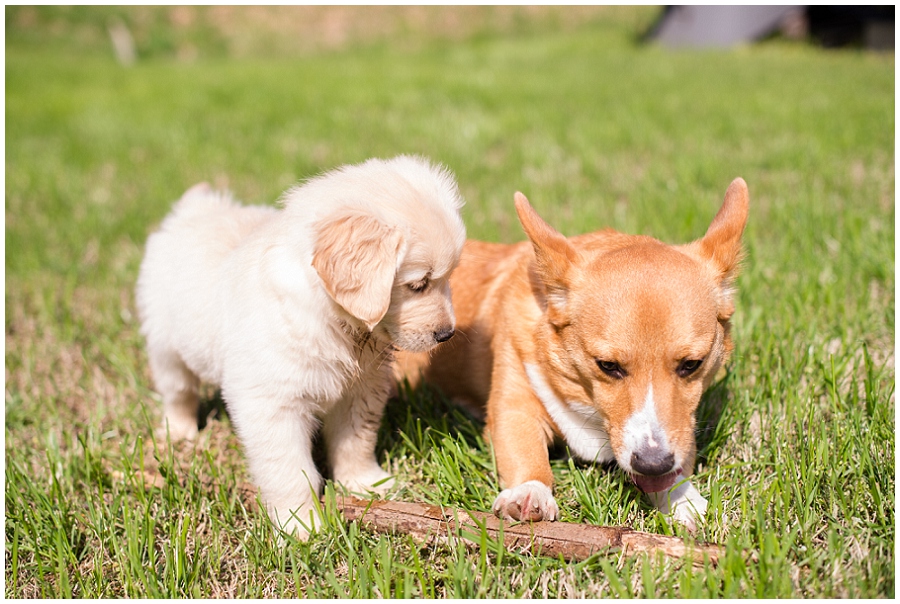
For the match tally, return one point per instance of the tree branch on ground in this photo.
(571, 541)
(433, 523)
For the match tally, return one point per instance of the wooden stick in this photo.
(571, 541)
(430, 522)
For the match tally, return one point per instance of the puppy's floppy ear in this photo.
(721, 246)
(553, 255)
(355, 255)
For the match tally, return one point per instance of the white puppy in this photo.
(295, 313)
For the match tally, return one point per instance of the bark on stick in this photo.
(571, 541)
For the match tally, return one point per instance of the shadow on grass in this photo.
(417, 419)
(425, 407)
(414, 418)
(212, 408)
(714, 425)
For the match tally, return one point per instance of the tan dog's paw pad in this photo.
(532, 500)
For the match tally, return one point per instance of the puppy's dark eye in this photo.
(612, 369)
(688, 366)
(419, 286)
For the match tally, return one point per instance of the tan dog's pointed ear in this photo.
(721, 246)
(356, 256)
(553, 255)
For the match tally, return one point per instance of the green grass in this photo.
(797, 442)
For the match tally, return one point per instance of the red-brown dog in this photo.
(606, 340)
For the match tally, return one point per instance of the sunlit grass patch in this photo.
(796, 442)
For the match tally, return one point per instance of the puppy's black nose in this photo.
(652, 461)
(443, 335)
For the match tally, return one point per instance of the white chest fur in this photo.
(580, 425)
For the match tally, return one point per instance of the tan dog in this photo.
(296, 312)
(604, 339)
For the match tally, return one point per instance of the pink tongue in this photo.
(655, 484)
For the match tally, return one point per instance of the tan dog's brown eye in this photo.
(612, 369)
(687, 367)
(419, 286)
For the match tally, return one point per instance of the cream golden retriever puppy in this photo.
(295, 313)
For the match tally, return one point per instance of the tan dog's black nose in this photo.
(652, 461)
(443, 335)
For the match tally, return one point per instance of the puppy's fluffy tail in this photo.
(201, 199)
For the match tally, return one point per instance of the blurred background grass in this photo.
(188, 33)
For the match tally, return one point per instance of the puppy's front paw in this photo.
(299, 524)
(375, 480)
(532, 500)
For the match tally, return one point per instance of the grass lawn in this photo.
(797, 441)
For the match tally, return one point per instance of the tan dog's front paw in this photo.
(688, 517)
(532, 500)
(683, 503)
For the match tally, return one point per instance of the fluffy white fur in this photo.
(295, 313)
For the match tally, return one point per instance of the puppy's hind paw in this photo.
(178, 429)
(532, 500)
